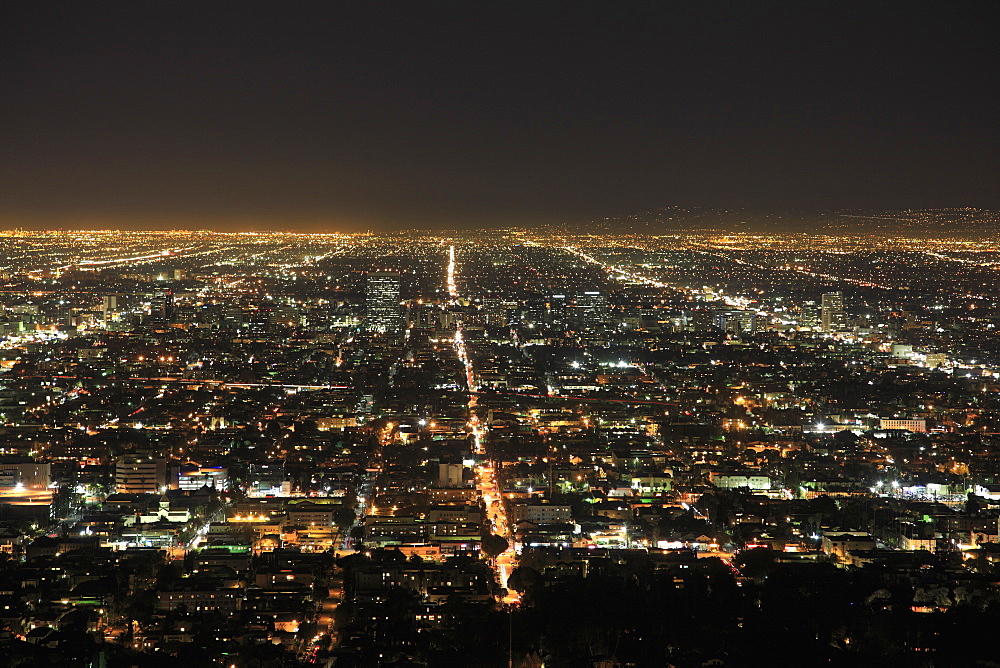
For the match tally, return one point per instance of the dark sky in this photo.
(235, 115)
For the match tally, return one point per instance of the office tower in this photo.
(737, 321)
(557, 309)
(592, 309)
(421, 315)
(810, 315)
(109, 306)
(533, 312)
(832, 313)
(497, 311)
(162, 306)
(382, 310)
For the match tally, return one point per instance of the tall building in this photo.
(737, 321)
(451, 475)
(109, 306)
(832, 313)
(557, 309)
(497, 310)
(533, 312)
(809, 315)
(382, 310)
(592, 309)
(162, 306)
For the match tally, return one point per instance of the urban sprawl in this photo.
(505, 448)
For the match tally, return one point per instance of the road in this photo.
(485, 475)
(365, 499)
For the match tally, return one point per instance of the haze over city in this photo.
(384, 116)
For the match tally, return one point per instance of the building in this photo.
(444, 495)
(382, 309)
(919, 426)
(162, 305)
(194, 476)
(738, 480)
(26, 473)
(312, 512)
(936, 360)
(162, 512)
(497, 311)
(140, 475)
(810, 316)
(540, 513)
(451, 475)
(652, 483)
(737, 321)
(200, 596)
(592, 309)
(916, 542)
(109, 306)
(557, 309)
(832, 314)
(842, 543)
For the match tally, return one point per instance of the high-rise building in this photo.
(832, 313)
(497, 310)
(592, 309)
(557, 309)
(162, 306)
(810, 315)
(109, 306)
(382, 310)
(450, 475)
(737, 321)
(533, 312)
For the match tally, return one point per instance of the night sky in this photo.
(394, 115)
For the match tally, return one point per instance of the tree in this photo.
(975, 504)
(344, 516)
(494, 545)
(757, 563)
(524, 578)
